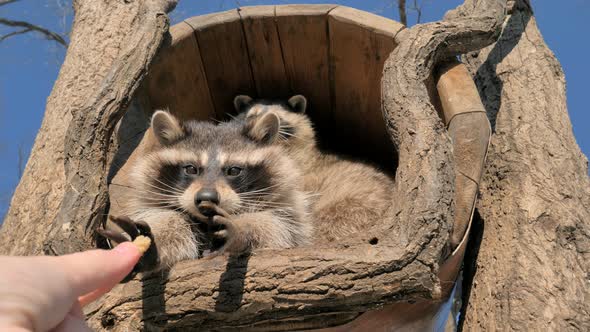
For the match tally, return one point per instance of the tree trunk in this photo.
(530, 256)
(112, 43)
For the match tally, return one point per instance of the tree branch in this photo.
(406, 99)
(14, 33)
(418, 9)
(50, 35)
(401, 7)
(6, 2)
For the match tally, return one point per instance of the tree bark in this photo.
(110, 40)
(530, 255)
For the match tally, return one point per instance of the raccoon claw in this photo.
(112, 235)
(133, 229)
(225, 221)
(220, 212)
(127, 225)
(222, 234)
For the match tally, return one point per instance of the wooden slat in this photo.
(177, 79)
(360, 43)
(304, 40)
(225, 57)
(265, 52)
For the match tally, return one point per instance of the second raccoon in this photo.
(349, 195)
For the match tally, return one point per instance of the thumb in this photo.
(98, 271)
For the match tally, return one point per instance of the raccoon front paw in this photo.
(236, 241)
(132, 229)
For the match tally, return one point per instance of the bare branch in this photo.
(403, 17)
(14, 33)
(31, 27)
(418, 9)
(6, 2)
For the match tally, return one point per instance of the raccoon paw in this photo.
(227, 230)
(133, 229)
(236, 242)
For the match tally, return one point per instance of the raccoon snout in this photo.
(204, 199)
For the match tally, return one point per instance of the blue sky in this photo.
(29, 64)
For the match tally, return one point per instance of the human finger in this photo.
(74, 321)
(99, 269)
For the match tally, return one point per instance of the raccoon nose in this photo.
(207, 195)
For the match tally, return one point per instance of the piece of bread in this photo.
(142, 243)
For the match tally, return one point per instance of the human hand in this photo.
(43, 293)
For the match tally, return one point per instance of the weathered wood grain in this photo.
(177, 79)
(360, 43)
(265, 52)
(224, 53)
(528, 268)
(303, 31)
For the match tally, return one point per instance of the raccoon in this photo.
(347, 195)
(203, 173)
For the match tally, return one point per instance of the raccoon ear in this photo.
(166, 127)
(298, 103)
(241, 102)
(263, 128)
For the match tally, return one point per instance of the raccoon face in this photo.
(200, 165)
(295, 128)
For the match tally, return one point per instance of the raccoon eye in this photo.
(191, 170)
(233, 171)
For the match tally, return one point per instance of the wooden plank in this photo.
(266, 56)
(360, 43)
(177, 79)
(379, 25)
(225, 57)
(304, 40)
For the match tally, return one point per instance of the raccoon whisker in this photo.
(270, 206)
(160, 206)
(286, 133)
(215, 120)
(160, 201)
(261, 189)
(156, 201)
(138, 192)
(144, 198)
(166, 192)
(260, 196)
(166, 186)
(264, 204)
(253, 195)
(160, 192)
(265, 189)
(175, 189)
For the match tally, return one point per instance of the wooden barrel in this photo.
(333, 55)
